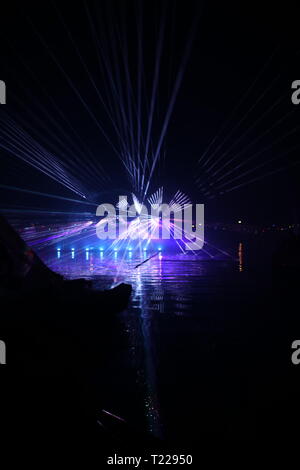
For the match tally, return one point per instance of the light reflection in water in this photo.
(241, 256)
(164, 287)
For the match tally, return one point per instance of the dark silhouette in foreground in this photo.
(59, 335)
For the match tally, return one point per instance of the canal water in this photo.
(198, 361)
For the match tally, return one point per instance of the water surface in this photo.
(187, 324)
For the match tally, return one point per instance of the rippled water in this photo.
(181, 312)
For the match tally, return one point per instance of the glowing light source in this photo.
(137, 204)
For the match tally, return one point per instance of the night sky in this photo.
(235, 88)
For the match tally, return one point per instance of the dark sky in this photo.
(243, 60)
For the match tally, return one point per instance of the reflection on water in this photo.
(241, 257)
(170, 306)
